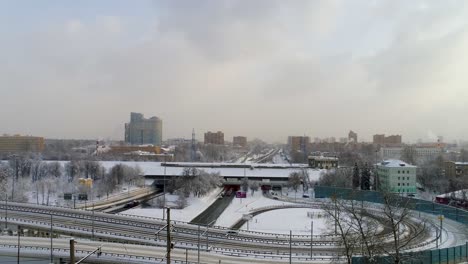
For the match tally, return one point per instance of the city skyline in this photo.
(263, 69)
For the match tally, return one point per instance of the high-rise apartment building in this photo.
(298, 143)
(143, 131)
(15, 144)
(239, 141)
(352, 136)
(216, 138)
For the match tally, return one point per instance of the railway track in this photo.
(141, 231)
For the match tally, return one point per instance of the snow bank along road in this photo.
(140, 230)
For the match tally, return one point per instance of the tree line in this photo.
(23, 179)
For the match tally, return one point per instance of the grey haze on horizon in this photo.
(264, 68)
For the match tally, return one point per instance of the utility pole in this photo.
(6, 211)
(164, 185)
(51, 239)
(290, 246)
(92, 224)
(441, 218)
(168, 232)
(19, 245)
(336, 228)
(311, 237)
(72, 250)
(193, 153)
(198, 258)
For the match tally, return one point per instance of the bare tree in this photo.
(408, 155)
(357, 226)
(294, 180)
(54, 169)
(254, 186)
(197, 182)
(339, 177)
(245, 184)
(365, 227)
(348, 238)
(73, 169)
(397, 211)
(305, 180)
(463, 155)
(6, 173)
(181, 201)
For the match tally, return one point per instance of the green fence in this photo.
(437, 256)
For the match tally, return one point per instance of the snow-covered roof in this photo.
(460, 194)
(393, 163)
(150, 168)
(461, 163)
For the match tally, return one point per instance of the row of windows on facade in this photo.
(403, 190)
(403, 178)
(403, 172)
(403, 184)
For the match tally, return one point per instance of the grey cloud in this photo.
(242, 67)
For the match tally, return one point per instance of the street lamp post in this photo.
(164, 186)
(6, 211)
(198, 257)
(441, 218)
(19, 245)
(290, 246)
(311, 237)
(51, 239)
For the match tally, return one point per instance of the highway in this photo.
(212, 213)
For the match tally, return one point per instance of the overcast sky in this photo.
(262, 68)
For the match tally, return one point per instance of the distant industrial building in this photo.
(421, 153)
(396, 176)
(143, 131)
(15, 144)
(456, 169)
(214, 138)
(239, 141)
(381, 139)
(298, 143)
(352, 136)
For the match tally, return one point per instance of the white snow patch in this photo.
(294, 219)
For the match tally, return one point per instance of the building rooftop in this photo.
(392, 163)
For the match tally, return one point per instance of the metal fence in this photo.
(437, 256)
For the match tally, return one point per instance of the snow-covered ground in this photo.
(295, 219)
(195, 206)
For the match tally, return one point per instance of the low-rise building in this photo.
(396, 176)
(422, 153)
(456, 169)
(321, 162)
(381, 139)
(239, 141)
(214, 138)
(15, 144)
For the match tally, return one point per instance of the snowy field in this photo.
(241, 206)
(294, 219)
